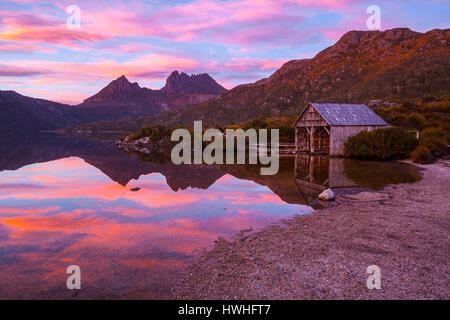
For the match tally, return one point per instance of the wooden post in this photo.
(311, 140)
(308, 143)
(330, 142)
(320, 139)
(295, 165)
(296, 139)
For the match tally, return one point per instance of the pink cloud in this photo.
(67, 96)
(17, 47)
(246, 64)
(50, 35)
(202, 19)
(37, 28)
(237, 21)
(56, 71)
(13, 20)
(128, 48)
(13, 70)
(242, 22)
(322, 3)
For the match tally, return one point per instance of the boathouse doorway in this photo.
(313, 140)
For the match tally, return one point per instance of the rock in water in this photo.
(135, 189)
(327, 194)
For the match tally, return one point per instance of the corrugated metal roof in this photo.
(345, 114)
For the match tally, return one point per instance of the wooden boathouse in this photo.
(323, 128)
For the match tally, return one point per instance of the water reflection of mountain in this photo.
(122, 167)
(299, 180)
(118, 165)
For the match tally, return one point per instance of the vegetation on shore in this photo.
(429, 116)
(159, 135)
(381, 144)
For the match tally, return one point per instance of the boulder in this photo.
(327, 195)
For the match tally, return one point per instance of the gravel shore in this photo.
(325, 255)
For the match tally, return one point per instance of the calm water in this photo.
(67, 201)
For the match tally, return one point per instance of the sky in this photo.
(236, 42)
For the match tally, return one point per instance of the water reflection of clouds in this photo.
(68, 204)
(76, 214)
(11, 187)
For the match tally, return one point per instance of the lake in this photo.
(68, 201)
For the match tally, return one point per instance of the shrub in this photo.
(434, 134)
(428, 99)
(287, 133)
(397, 119)
(436, 147)
(435, 139)
(142, 132)
(258, 123)
(155, 133)
(408, 105)
(421, 155)
(417, 121)
(158, 133)
(381, 144)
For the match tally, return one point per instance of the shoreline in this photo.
(325, 255)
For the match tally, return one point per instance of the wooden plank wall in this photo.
(311, 118)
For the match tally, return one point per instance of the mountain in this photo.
(194, 84)
(119, 91)
(180, 90)
(19, 113)
(120, 99)
(361, 66)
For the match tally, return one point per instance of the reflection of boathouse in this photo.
(325, 127)
(313, 174)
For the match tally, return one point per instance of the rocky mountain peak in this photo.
(180, 90)
(355, 42)
(181, 83)
(114, 91)
(122, 84)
